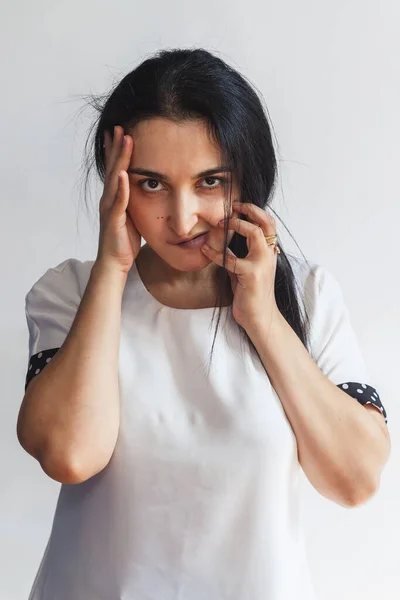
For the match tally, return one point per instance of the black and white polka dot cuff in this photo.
(37, 363)
(365, 394)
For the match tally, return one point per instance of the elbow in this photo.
(349, 494)
(68, 470)
(62, 466)
(357, 495)
(65, 473)
(55, 456)
(360, 492)
(58, 468)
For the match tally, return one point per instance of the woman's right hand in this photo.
(119, 240)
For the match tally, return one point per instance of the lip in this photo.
(195, 243)
(192, 238)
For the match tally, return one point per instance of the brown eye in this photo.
(213, 179)
(141, 183)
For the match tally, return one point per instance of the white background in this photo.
(329, 73)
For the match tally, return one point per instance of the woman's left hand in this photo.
(253, 277)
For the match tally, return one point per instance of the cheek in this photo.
(216, 213)
(145, 219)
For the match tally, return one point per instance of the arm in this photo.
(69, 417)
(342, 447)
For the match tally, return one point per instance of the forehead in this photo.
(164, 145)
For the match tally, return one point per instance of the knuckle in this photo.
(259, 231)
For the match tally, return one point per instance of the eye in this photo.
(141, 183)
(219, 179)
(153, 188)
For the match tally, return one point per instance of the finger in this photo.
(116, 146)
(109, 142)
(254, 234)
(124, 151)
(124, 159)
(257, 214)
(242, 227)
(121, 200)
(233, 264)
(122, 162)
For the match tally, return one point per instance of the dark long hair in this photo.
(186, 84)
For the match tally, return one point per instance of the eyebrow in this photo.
(157, 175)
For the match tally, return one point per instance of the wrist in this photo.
(265, 325)
(106, 270)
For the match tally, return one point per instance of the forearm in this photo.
(341, 448)
(69, 417)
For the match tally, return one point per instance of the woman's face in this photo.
(177, 202)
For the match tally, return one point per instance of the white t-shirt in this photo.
(200, 499)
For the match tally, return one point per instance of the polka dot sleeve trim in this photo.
(37, 363)
(365, 394)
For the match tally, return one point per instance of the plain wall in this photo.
(328, 72)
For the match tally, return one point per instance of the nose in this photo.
(184, 212)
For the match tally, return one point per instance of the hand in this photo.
(119, 240)
(252, 278)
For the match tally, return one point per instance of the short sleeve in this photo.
(334, 344)
(50, 307)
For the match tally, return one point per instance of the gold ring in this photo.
(272, 241)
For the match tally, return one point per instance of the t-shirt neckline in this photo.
(145, 292)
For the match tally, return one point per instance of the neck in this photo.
(159, 273)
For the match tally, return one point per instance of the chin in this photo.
(187, 261)
(195, 262)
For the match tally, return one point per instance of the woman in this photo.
(181, 482)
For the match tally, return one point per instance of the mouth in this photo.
(196, 242)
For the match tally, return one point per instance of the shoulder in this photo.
(307, 271)
(69, 277)
(52, 303)
(315, 282)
